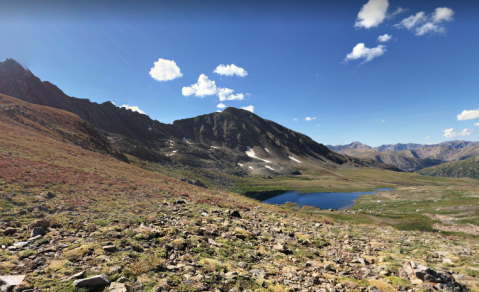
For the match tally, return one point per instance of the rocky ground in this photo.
(187, 246)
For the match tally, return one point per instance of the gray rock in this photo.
(110, 248)
(37, 231)
(373, 289)
(95, 281)
(7, 283)
(77, 276)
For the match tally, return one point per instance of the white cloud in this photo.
(450, 133)
(165, 70)
(383, 121)
(476, 124)
(227, 94)
(318, 125)
(133, 108)
(372, 13)
(413, 20)
(399, 10)
(230, 70)
(384, 38)
(361, 52)
(295, 119)
(468, 115)
(205, 86)
(442, 14)
(221, 105)
(425, 24)
(310, 119)
(429, 27)
(427, 137)
(248, 108)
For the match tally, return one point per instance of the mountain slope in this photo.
(466, 168)
(220, 142)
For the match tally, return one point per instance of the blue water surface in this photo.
(321, 200)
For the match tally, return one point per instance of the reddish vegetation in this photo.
(39, 150)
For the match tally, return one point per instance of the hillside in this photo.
(74, 218)
(210, 147)
(464, 168)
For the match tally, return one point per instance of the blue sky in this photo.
(417, 84)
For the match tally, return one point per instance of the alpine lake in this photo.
(320, 200)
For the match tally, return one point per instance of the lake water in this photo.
(321, 200)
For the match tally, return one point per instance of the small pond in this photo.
(320, 200)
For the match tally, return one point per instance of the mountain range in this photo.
(233, 142)
(414, 157)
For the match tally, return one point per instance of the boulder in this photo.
(40, 223)
(95, 281)
(110, 248)
(8, 283)
(37, 231)
(235, 214)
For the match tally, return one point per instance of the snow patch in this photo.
(214, 147)
(240, 164)
(269, 167)
(251, 167)
(250, 153)
(294, 159)
(266, 149)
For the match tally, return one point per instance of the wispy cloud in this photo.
(427, 137)
(165, 70)
(396, 12)
(468, 115)
(133, 108)
(423, 24)
(451, 133)
(230, 70)
(310, 118)
(295, 119)
(360, 51)
(372, 14)
(476, 124)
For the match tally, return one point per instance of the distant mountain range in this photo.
(412, 157)
(233, 142)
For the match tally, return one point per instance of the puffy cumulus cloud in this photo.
(468, 115)
(227, 94)
(310, 118)
(165, 70)
(451, 133)
(230, 70)
(133, 108)
(423, 24)
(372, 13)
(205, 87)
(384, 38)
(248, 108)
(360, 51)
(442, 14)
(221, 105)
